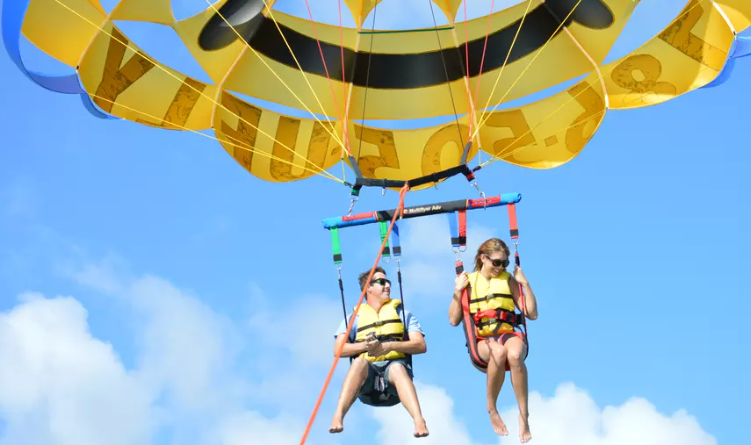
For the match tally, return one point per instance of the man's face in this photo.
(380, 286)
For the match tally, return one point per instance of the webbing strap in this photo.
(384, 228)
(361, 181)
(396, 247)
(458, 225)
(336, 247)
(513, 228)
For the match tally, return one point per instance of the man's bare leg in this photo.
(356, 376)
(494, 354)
(517, 350)
(408, 395)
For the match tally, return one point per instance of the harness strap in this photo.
(490, 297)
(458, 225)
(379, 323)
(361, 181)
(396, 247)
(384, 227)
(385, 338)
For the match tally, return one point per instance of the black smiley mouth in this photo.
(417, 70)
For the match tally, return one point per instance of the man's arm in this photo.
(350, 349)
(455, 309)
(415, 345)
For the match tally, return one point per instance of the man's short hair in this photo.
(364, 276)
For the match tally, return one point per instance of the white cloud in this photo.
(252, 428)
(315, 319)
(187, 348)
(437, 409)
(61, 386)
(570, 417)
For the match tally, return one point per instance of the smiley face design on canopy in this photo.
(340, 77)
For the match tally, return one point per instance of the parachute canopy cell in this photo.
(336, 77)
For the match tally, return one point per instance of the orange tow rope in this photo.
(397, 213)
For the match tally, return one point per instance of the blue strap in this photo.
(454, 227)
(12, 21)
(396, 247)
(741, 48)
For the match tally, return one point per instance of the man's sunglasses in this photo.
(381, 281)
(498, 263)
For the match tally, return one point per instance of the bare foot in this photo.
(336, 426)
(421, 428)
(498, 426)
(524, 434)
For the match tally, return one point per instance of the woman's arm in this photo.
(530, 302)
(455, 309)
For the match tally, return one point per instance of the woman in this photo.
(491, 287)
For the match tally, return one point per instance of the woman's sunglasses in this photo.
(498, 263)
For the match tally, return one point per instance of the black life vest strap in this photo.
(490, 297)
(378, 323)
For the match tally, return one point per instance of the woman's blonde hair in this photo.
(487, 248)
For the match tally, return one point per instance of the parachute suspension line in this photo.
(325, 67)
(397, 214)
(505, 62)
(470, 103)
(355, 190)
(211, 99)
(602, 74)
(367, 82)
(482, 64)
(247, 44)
(345, 108)
(560, 25)
(445, 70)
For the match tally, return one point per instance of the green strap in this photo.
(384, 226)
(336, 247)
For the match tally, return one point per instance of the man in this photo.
(381, 344)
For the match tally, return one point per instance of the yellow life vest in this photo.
(492, 294)
(386, 325)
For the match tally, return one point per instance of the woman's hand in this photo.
(519, 276)
(461, 281)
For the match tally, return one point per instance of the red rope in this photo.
(397, 213)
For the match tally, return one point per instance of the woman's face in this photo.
(495, 263)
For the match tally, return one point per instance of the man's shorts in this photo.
(377, 390)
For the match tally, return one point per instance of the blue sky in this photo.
(143, 275)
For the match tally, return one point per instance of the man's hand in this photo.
(371, 342)
(380, 349)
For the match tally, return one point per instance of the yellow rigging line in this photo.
(239, 36)
(602, 74)
(235, 142)
(485, 119)
(322, 172)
